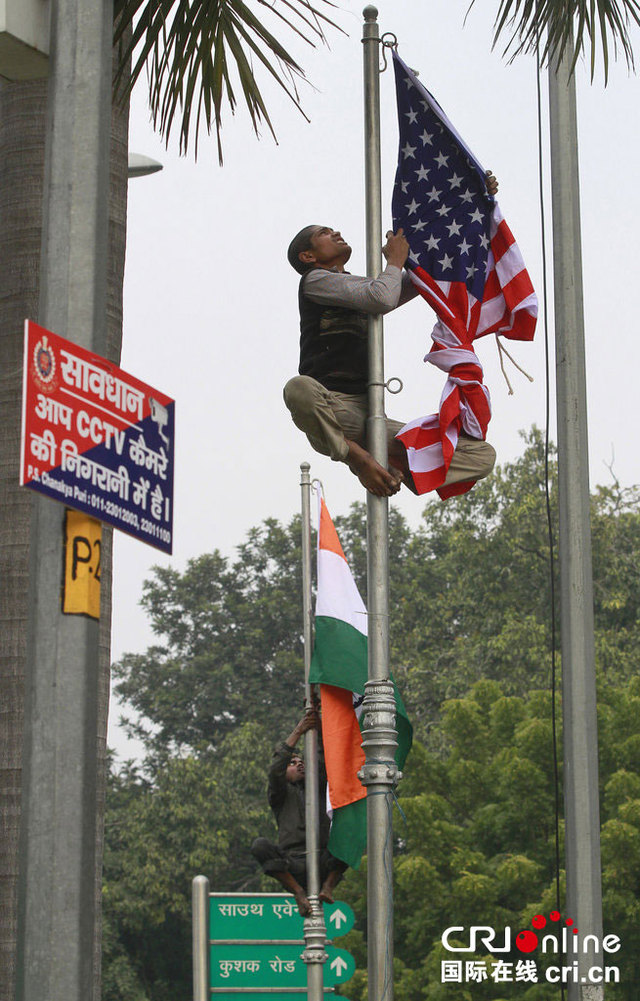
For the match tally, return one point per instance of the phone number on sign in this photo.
(156, 530)
(112, 510)
(126, 517)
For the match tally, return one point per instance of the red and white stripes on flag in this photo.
(509, 307)
(465, 262)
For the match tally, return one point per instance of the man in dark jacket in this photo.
(286, 860)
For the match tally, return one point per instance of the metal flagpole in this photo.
(580, 738)
(380, 773)
(314, 954)
(57, 906)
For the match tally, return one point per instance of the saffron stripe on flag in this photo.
(342, 742)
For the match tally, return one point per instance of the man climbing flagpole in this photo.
(380, 773)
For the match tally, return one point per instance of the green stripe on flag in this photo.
(339, 655)
(348, 838)
(340, 658)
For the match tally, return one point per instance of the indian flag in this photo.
(340, 666)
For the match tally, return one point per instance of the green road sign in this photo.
(270, 995)
(256, 965)
(269, 916)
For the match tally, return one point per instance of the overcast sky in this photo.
(211, 304)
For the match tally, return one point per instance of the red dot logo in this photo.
(539, 921)
(526, 941)
(555, 915)
(569, 921)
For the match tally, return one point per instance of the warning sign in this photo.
(96, 438)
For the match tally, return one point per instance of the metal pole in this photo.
(580, 737)
(200, 932)
(379, 735)
(56, 920)
(314, 954)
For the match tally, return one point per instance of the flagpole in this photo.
(380, 773)
(580, 732)
(314, 954)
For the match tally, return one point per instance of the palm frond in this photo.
(187, 47)
(574, 25)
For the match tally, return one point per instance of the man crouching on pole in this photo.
(286, 860)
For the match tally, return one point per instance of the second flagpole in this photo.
(380, 773)
(314, 954)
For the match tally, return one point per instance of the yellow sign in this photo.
(82, 557)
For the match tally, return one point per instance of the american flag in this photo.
(467, 265)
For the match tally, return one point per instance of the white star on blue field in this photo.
(440, 198)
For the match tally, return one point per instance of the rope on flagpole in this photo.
(503, 351)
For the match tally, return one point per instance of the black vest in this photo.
(334, 346)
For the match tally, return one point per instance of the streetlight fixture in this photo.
(142, 166)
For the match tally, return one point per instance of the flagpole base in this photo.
(315, 934)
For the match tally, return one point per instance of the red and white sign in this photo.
(97, 438)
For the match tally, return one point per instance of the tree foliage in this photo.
(471, 647)
(198, 815)
(231, 649)
(189, 50)
(478, 842)
(559, 26)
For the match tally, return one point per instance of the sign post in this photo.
(60, 771)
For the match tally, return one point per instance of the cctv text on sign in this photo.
(96, 438)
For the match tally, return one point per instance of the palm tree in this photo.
(192, 52)
(234, 35)
(573, 24)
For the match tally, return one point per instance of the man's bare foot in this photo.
(398, 459)
(325, 896)
(372, 475)
(329, 885)
(304, 906)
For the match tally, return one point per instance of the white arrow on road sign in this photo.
(338, 965)
(339, 917)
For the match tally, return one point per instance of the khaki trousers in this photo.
(328, 418)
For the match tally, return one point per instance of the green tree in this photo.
(198, 815)
(231, 638)
(470, 594)
(471, 641)
(477, 842)
(475, 845)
